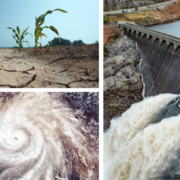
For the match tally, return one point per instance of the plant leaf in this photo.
(18, 30)
(48, 12)
(42, 19)
(17, 36)
(38, 28)
(39, 19)
(22, 37)
(14, 37)
(46, 27)
(26, 42)
(29, 33)
(17, 42)
(60, 10)
(36, 19)
(37, 34)
(54, 29)
(12, 29)
(37, 43)
(43, 35)
(24, 31)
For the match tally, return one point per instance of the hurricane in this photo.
(144, 142)
(49, 136)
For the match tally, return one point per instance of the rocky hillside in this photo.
(152, 17)
(122, 80)
(116, 4)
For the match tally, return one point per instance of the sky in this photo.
(81, 21)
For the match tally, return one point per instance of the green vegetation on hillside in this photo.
(105, 49)
(105, 20)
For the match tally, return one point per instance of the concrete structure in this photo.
(134, 30)
(160, 65)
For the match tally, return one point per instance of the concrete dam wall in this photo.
(160, 64)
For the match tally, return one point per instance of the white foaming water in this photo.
(41, 138)
(137, 150)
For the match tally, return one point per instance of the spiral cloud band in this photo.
(47, 136)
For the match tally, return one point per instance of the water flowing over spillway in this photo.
(144, 143)
(48, 136)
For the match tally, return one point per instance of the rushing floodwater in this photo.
(48, 136)
(144, 143)
(171, 28)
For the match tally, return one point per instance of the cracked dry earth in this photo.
(59, 67)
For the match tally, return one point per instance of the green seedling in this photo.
(19, 37)
(38, 29)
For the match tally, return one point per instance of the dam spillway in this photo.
(160, 65)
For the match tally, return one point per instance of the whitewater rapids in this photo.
(44, 136)
(144, 143)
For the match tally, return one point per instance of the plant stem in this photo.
(35, 37)
(35, 46)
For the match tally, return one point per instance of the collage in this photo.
(89, 90)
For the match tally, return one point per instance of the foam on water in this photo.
(135, 148)
(41, 137)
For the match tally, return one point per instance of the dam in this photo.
(160, 64)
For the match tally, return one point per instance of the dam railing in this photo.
(149, 32)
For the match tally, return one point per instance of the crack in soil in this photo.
(56, 60)
(17, 71)
(67, 86)
(24, 85)
(62, 71)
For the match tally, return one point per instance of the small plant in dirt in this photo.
(105, 49)
(19, 37)
(105, 20)
(116, 34)
(38, 29)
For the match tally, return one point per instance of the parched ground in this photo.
(56, 67)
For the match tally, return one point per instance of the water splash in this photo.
(43, 136)
(144, 143)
